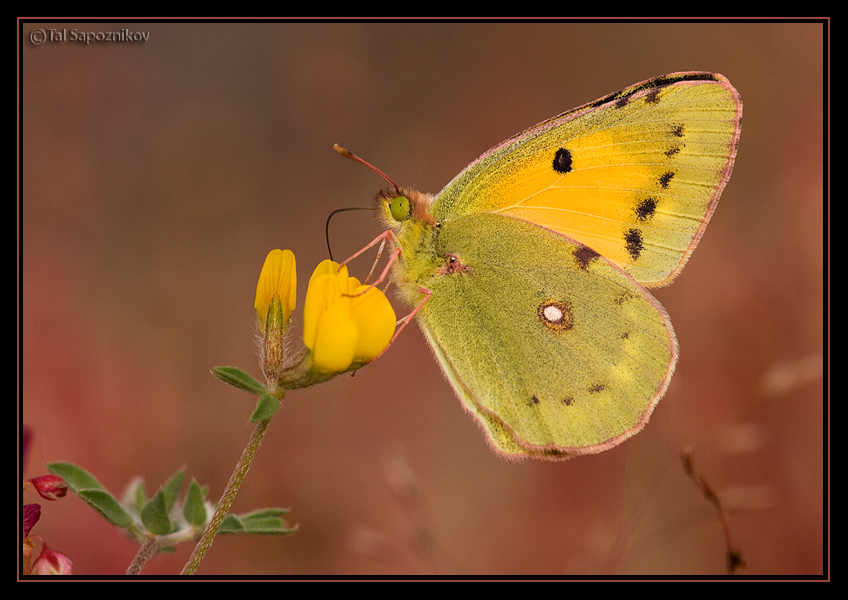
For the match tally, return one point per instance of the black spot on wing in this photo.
(584, 255)
(645, 209)
(562, 161)
(633, 243)
(653, 97)
(665, 179)
(624, 297)
(623, 97)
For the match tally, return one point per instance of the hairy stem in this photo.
(227, 499)
(145, 553)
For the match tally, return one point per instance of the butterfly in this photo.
(528, 272)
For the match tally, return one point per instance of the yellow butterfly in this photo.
(526, 272)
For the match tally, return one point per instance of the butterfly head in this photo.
(397, 206)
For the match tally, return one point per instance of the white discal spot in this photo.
(556, 316)
(552, 313)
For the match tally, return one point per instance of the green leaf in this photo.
(238, 378)
(265, 521)
(140, 497)
(231, 524)
(92, 492)
(135, 495)
(76, 477)
(172, 488)
(154, 515)
(266, 406)
(194, 510)
(262, 513)
(268, 526)
(104, 503)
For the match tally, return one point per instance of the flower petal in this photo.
(341, 321)
(278, 278)
(330, 267)
(322, 292)
(51, 562)
(335, 337)
(375, 319)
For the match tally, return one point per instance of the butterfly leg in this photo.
(407, 319)
(381, 239)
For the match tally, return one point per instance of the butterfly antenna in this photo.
(347, 154)
(327, 225)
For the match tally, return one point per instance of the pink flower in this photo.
(32, 512)
(51, 562)
(50, 487)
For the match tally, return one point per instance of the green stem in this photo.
(227, 499)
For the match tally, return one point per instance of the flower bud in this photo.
(51, 487)
(278, 279)
(51, 562)
(276, 296)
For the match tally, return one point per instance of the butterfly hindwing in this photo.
(555, 357)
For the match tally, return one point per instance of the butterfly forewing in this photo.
(635, 176)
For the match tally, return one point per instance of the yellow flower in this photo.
(278, 279)
(344, 323)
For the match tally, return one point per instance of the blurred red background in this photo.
(158, 174)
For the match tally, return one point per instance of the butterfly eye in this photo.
(399, 207)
